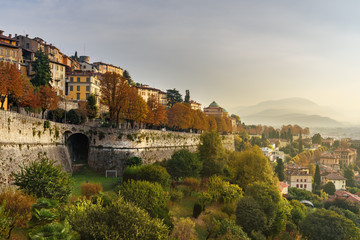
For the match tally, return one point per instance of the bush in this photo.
(42, 179)
(53, 231)
(133, 161)
(223, 191)
(329, 188)
(151, 173)
(192, 183)
(90, 189)
(5, 222)
(197, 210)
(183, 164)
(119, 220)
(176, 196)
(144, 194)
(184, 229)
(76, 116)
(56, 115)
(16, 210)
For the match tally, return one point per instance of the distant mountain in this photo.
(288, 111)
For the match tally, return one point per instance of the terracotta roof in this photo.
(8, 45)
(347, 195)
(334, 176)
(148, 88)
(283, 185)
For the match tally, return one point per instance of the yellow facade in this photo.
(9, 50)
(104, 67)
(5, 106)
(80, 86)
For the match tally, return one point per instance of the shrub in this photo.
(329, 188)
(176, 196)
(76, 116)
(16, 209)
(90, 189)
(56, 115)
(144, 194)
(184, 229)
(192, 183)
(197, 210)
(119, 220)
(133, 161)
(5, 222)
(53, 231)
(183, 164)
(223, 191)
(151, 173)
(42, 179)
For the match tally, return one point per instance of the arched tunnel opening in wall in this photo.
(78, 145)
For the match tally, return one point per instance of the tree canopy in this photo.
(173, 96)
(41, 67)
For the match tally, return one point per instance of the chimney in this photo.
(27, 35)
(1, 32)
(15, 34)
(9, 35)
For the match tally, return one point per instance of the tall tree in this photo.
(317, 178)
(91, 107)
(137, 108)
(114, 93)
(210, 152)
(173, 96)
(10, 82)
(41, 67)
(187, 96)
(157, 113)
(48, 99)
(279, 169)
(179, 116)
(128, 78)
(349, 175)
(317, 139)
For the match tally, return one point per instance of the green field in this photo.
(89, 175)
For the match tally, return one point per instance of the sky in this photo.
(235, 52)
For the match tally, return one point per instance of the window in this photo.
(78, 79)
(301, 185)
(78, 96)
(71, 88)
(297, 180)
(87, 88)
(304, 180)
(71, 79)
(87, 95)
(297, 185)
(304, 185)
(87, 79)
(78, 88)
(300, 180)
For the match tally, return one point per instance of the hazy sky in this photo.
(235, 52)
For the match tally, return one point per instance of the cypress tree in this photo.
(317, 178)
(279, 169)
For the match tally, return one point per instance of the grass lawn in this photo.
(87, 174)
(184, 208)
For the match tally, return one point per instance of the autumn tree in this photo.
(10, 82)
(137, 108)
(179, 116)
(48, 99)
(114, 94)
(212, 123)
(173, 97)
(157, 113)
(41, 67)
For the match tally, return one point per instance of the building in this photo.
(10, 50)
(215, 110)
(277, 154)
(104, 67)
(344, 195)
(58, 77)
(81, 84)
(346, 155)
(284, 187)
(146, 92)
(300, 179)
(195, 105)
(85, 64)
(330, 160)
(338, 180)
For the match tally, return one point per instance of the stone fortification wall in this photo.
(23, 137)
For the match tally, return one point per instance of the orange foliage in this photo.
(137, 108)
(179, 116)
(10, 81)
(90, 189)
(48, 99)
(157, 113)
(18, 205)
